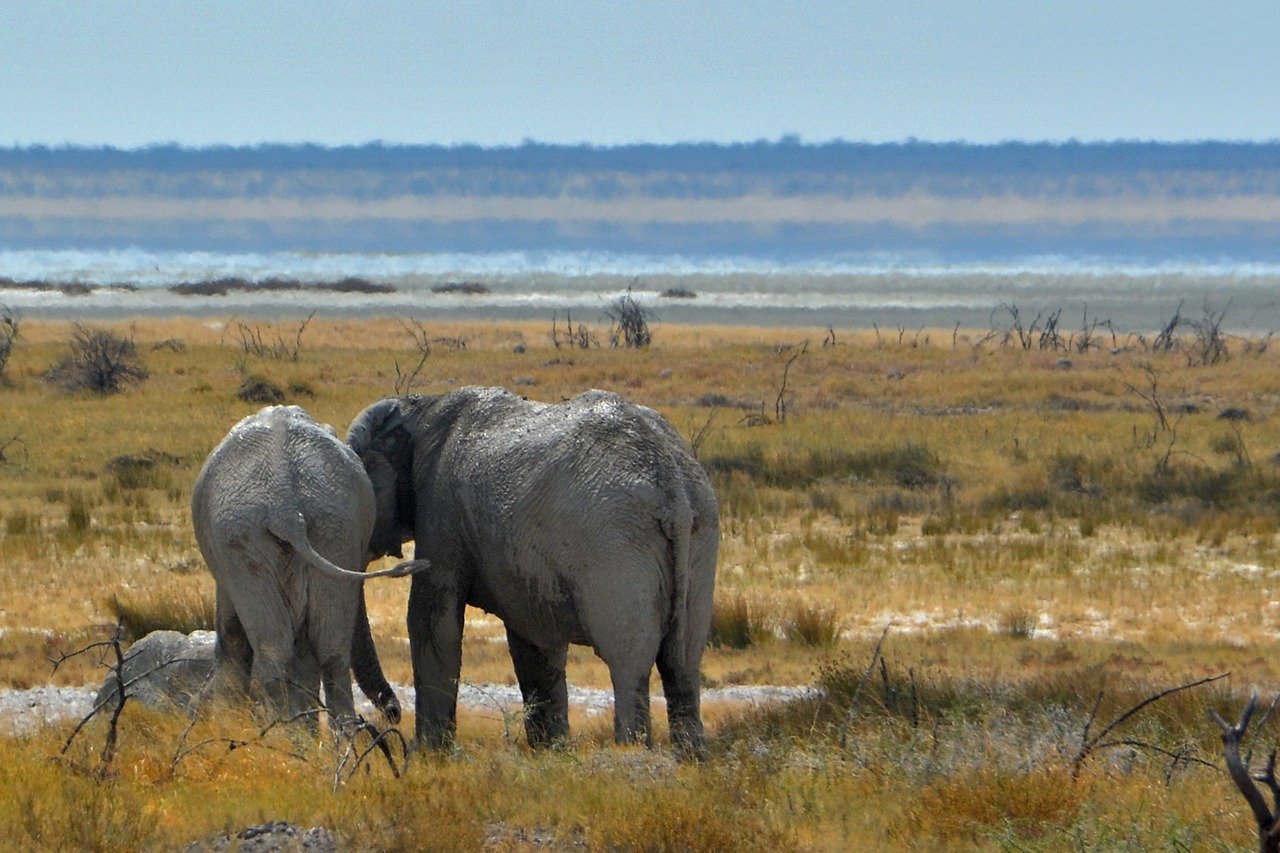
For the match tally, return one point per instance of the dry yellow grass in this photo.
(996, 508)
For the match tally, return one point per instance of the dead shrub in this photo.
(100, 361)
(630, 323)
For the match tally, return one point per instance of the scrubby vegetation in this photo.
(100, 361)
(1034, 535)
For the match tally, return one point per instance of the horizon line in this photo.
(786, 141)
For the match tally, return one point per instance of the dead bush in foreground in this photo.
(100, 361)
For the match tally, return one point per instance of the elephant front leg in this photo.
(631, 721)
(436, 608)
(544, 689)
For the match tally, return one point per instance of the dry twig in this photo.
(1100, 741)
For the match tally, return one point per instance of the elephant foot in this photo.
(691, 750)
(389, 706)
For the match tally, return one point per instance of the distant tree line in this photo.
(787, 156)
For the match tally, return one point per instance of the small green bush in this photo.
(302, 388)
(1018, 623)
(146, 470)
(19, 523)
(259, 389)
(1207, 486)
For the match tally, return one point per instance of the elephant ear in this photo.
(385, 540)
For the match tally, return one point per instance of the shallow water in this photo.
(843, 292)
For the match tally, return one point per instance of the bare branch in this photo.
(780, 404)
(1238, 769)
(862, 682)
(1089, 745)
(700, 435)
(630, 322)
(1166, 340)
(9, 323)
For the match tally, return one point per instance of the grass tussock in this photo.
(812, 624)
(974, 806)
(738, 623)
(140, 613)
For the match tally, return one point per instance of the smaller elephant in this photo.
(283, 513)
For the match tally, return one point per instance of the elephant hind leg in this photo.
(267, 623)
(681, 685)
(330, 642)
(233, 655)
(628, 642)
(304, 684)
(544, 688)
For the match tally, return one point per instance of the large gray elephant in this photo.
(587, 522)
(283, 513)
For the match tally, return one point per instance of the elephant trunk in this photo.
(368, 669)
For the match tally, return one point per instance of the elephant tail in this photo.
(679, 530)
(289, 526)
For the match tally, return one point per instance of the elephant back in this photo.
(281, 456)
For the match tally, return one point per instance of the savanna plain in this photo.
(979, 549)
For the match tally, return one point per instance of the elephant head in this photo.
(382, 436)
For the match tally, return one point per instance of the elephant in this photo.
(586, 522)
(283, 513)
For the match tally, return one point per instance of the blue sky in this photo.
(202, 73)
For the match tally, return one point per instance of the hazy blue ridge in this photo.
(1111, 199)
(787, 244)
(679, 171)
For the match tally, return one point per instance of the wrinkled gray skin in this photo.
(283, 512)
(585, 522)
